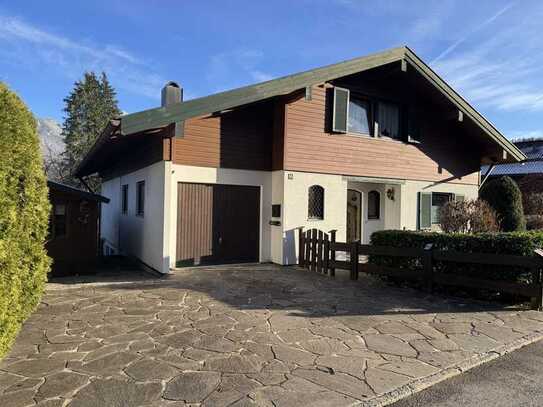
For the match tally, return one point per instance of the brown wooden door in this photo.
(217, 224)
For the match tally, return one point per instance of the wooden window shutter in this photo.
(425, 210)
(340, 113)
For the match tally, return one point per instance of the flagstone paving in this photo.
(247, 335)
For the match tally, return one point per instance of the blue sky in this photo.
(491, 51)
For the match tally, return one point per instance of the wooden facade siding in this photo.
(311, 147)
(242, 139)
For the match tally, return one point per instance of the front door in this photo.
(354, 215)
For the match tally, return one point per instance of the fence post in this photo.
(428, 267)
(313, 249)
(301, 246)
(319, 251)
(326, 259)
(332, 251)
(537, 302)
(354, 260)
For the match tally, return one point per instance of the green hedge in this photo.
(505, 197)
(513, 243)
(24, 214)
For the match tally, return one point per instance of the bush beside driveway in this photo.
(249, 335)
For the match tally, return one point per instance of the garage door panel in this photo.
(194, 222)
(217, 224)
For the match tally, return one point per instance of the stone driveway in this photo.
(248, 335)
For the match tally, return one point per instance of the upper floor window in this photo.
(354, 113)
(388, 119)
(124, 199)
(374, 205)
(360, 120)
(140, 198)
(315, 202)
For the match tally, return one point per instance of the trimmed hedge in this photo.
(24, 216)
(512, 243)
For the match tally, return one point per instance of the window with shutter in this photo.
(360, 120)
(340, 112)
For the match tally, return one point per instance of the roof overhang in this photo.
(375, 180)
(161, 117)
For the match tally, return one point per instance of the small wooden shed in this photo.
(74, 229)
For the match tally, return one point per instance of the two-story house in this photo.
(378, 142)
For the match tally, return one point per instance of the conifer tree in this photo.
(88, 108)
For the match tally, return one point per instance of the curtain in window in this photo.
(389, 120)
(359, 116)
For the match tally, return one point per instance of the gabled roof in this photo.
(163, 116)
(76, 191)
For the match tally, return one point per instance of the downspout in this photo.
(489, 171)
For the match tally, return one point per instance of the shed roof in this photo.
(76, 191)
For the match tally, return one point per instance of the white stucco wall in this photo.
(109, 217)
(152, 238)
(183, 173)
(138, 236)
(276, 232)
(295, 208)
(409, 198)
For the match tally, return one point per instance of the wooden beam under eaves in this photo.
(308, 93)
(457, 115)
(404, 65)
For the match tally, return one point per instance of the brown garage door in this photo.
(217, 224)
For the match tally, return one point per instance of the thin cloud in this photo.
(479, 27)
(32, 47)
(499, 67)
(226, 68)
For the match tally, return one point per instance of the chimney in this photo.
(171, 93)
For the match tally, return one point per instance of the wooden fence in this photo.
(317, 252)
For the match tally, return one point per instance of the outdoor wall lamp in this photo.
(390, 194)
